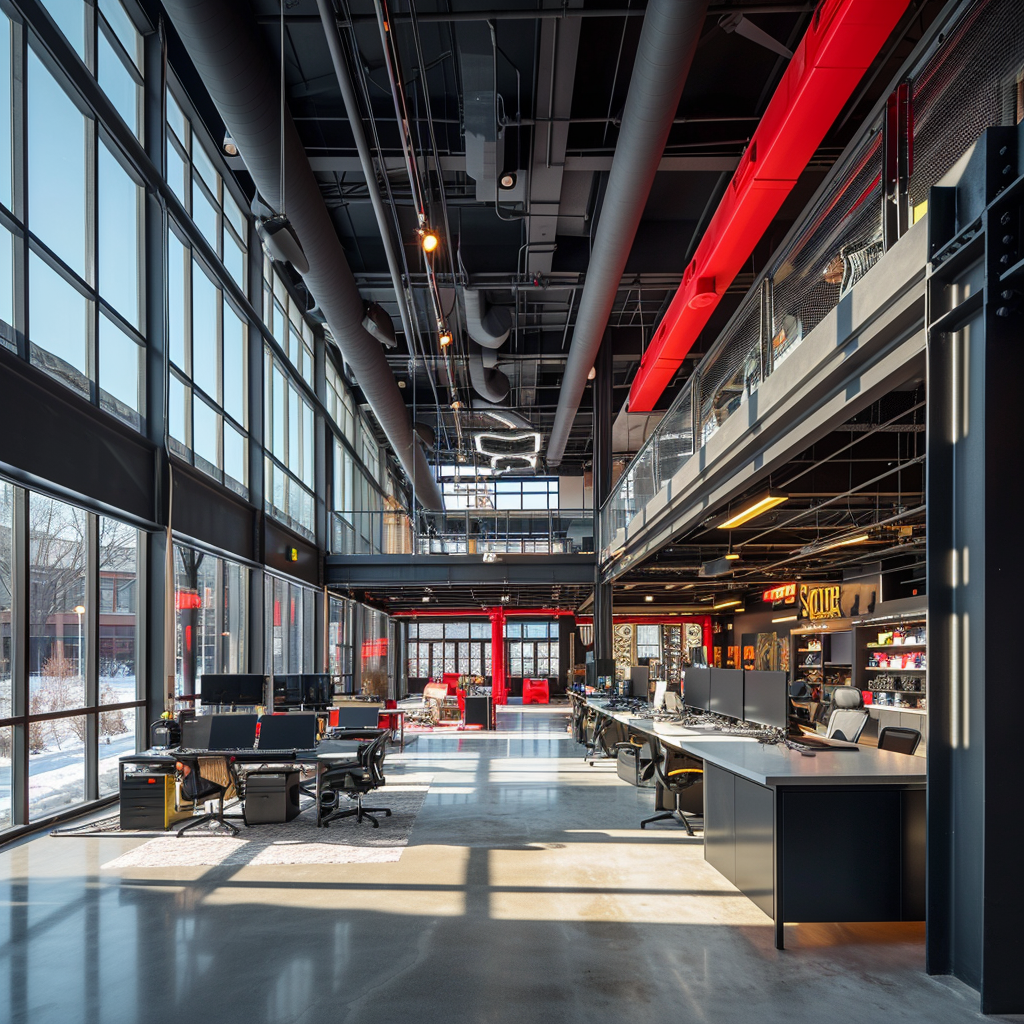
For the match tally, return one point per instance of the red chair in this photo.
(535, 691)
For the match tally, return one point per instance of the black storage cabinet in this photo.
(271, 797)
(480, 711)
(142, 802)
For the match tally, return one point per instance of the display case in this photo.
(893, 664)
(820, 660)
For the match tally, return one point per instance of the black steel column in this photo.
(975, 563)
(152, 576)
(603, 416)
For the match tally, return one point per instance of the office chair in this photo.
(895, 737)
(196, 787)
(598, 748)
(675, 781)
(848, 716)
(355, 778)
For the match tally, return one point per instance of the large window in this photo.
(438, 647)
(211, 601)
(85, 315)
(284, 318)
(505, 494)
(208, 417)
(75, 703)
(204, 194)
(290, 445)
(532, 649)
(290, 624)
(648, 641)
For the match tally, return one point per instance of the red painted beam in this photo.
(844, 38)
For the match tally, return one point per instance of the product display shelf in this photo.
(907, 684)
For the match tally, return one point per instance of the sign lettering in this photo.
(820, 602)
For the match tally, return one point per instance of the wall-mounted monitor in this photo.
(766, 698)
(727, 692)
(697, 688)
(232, 689)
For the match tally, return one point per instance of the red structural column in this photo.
(499, 693)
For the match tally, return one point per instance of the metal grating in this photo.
(968, 85)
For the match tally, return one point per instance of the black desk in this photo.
(774, 819)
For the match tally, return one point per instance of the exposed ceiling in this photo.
(562, 73)
(855, 497)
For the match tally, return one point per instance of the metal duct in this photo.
(508, 418)
(487, 382)
(240, 78)
(667, 43)
(488, 325)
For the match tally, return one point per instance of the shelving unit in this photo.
(906, 683)
(830, 657)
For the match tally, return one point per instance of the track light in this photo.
(228, 147)
(429, 240)
(813, 549)
(753, 507)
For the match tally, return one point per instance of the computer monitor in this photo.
(765, 699)
(234, 689)
(288, 732)
(306, 689)
(727, 692)
(357, 718)
(697, 688)
(195, 732)
(219, 732)
(232, 732)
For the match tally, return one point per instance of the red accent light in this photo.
(785, 592)
(187, 600)
(844, 38)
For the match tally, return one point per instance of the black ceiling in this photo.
(730, 83)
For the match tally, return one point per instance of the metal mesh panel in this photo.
(842, 241)
(731, 370)
(968, 85)
(673, 440)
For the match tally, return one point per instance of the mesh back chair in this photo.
(674, 781)
(196, 787)
(895, 737)
(848, 716)
(354, 777)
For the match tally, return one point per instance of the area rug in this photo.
(295, 842)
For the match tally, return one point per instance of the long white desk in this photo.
(777, 822)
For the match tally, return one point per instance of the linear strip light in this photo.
(813, 549)
(725, 604)
(760, 504)
(785, 618)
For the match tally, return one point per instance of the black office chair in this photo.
(848, 716)
(354, 778)
(601, 746)
(675, 781)
(895, 737)
(196, 787)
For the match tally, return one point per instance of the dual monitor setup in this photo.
(241, 732)
(310, 690)
(745, 694)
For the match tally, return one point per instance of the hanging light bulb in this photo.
(429, 240)
(445, 338)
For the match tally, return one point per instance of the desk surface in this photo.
(775, 765)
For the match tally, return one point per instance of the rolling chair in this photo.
(196, 787)
(355, 777)
(848, 716)
(895, 737)
(675, 781)
(599, 747)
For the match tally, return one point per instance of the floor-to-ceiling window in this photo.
(211, 602)
(290, 611)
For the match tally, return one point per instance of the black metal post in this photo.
(603, 416)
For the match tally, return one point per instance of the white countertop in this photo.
(776, 765)
(889, 707)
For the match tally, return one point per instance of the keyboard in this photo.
(249, 753)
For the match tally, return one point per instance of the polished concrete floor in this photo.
(527, 894)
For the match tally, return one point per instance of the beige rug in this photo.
(298, 841)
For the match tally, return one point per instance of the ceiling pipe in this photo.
(239, 76)
(488, 325)
(348, 94)
(668, 41)
(489, 383)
